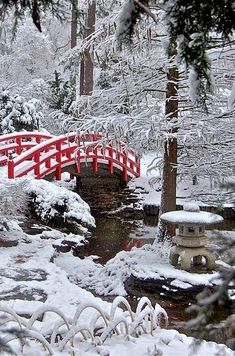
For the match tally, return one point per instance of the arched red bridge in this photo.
(41, 155)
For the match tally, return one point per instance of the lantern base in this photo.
(188, 257)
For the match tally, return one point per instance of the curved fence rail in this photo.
(41, 155)
(64, 333)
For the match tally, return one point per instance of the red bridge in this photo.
(43, 155)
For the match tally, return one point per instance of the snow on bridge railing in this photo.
(58, 152)
(17, 142)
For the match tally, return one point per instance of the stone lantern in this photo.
(190, 243)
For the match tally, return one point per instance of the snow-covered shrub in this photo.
(17, 114)
(57, 204)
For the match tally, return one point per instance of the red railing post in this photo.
(68, 153)
(110, 150)
(124, 169)
(48, 163)
(78, 155)
(18, 142)
(38, 139)
(95, 160)
(131, 165)
(78, 162)
(36, 159)
(58, 160)
(10, 168)
(58, 172)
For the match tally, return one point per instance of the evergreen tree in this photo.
(16, 114)
(61, 93)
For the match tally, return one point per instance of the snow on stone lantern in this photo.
(190, 243)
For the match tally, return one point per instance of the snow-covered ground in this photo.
(205, 193)
(33, 275)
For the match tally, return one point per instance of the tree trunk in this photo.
(86, 67)
(2, 17)
(74, 23)
(168, 194)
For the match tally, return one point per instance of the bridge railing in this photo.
(57, 152)
(126, 161)
(17, 142)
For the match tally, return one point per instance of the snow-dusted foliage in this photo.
(29, 58)
(129, 86)
(35, 11)
(26, 57)
(60, 93)
(17, 114)
(52, 201)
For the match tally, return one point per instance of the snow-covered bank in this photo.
(147, 262)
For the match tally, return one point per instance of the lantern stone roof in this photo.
(191, 215)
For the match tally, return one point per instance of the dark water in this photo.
(113, 235)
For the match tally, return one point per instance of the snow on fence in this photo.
(52, 154)
(68, 332)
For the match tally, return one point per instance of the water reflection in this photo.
(113, 235)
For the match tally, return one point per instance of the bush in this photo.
(17, 114)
